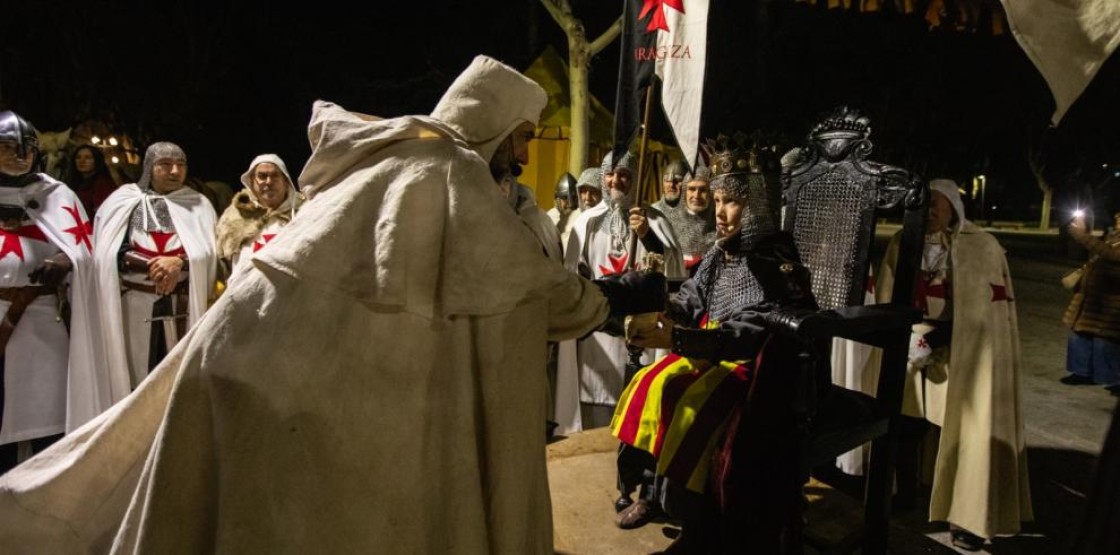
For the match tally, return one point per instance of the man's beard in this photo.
(619, 200)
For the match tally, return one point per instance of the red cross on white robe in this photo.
(160, 238)
(82, 230)
(618, 265)
(262, 241)
(12, 243)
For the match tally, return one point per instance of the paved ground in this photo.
(1065, 427)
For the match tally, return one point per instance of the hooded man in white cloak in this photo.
(53, 372)
(963, 375)
(268, 202)
(403, 417)
(154, 254)
(610, 239)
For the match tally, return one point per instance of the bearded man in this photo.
(402, 416)
(609, 240)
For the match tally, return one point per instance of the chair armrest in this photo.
(871, 324)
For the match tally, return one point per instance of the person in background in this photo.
(54, 373)
(154, 251)
(268, 202)
(963, 377)
(90, 177)
(1093, 314)
(694, 220)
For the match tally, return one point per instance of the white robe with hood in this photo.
(374, 384)
(194, 219)
(54, 381)
(972, 388)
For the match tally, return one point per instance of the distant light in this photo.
(1104, 165)
(994, 207)
(1078, 213)
(116, 160)
(95, 140)
(113, 141)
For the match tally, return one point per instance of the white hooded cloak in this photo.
(373, 384)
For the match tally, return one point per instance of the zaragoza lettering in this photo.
(668, 51)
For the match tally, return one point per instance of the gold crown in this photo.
(731, 155)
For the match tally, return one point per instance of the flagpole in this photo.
(634, 362)
(639, 193)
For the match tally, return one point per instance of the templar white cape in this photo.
(373, 384)
(194, 220)
(980, 480)
(92, 384)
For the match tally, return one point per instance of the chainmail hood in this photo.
(156, 152)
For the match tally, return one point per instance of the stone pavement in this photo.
(581, 476)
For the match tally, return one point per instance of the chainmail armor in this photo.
(696, 233)
(726, 283)
(151, 215)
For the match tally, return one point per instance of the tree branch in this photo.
(607, 37)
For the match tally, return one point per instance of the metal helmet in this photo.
(675, 170)
(14, 128)
(566, 189)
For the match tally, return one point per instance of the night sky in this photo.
(228, 82)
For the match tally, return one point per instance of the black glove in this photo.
(634, 292)
(52, 271)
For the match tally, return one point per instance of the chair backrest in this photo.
(832, 198)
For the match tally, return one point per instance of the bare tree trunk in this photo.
(580, 52)
(1035, 154)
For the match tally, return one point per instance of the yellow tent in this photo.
(549, 153)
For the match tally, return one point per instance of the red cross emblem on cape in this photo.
(618, 265)
(82, 230)
(999, 293)
(11, 242)
(927, 290)
(264, 240)
(160, 238)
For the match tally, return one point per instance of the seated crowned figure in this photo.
(716, 421)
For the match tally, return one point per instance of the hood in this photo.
(949, 188)
(340, 139)
(247, 180)
(487, 101)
